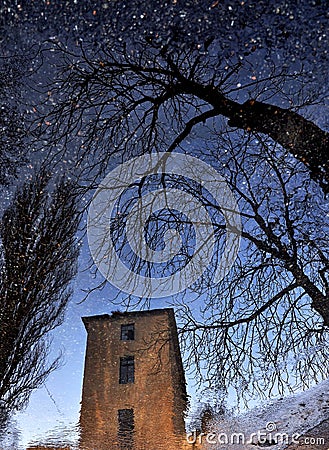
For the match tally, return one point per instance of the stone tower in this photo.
(134, 393)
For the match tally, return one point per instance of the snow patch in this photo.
(280, 421)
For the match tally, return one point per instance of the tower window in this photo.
(127, 370)
(128, 332)
(126, 428)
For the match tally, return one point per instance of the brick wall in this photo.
(157, 395)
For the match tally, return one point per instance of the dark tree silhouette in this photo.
(137, 99)
(265, 325)
(143, 93)
(38, 260)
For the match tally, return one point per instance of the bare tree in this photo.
(137, 100)
(264, 325)
(39, 253)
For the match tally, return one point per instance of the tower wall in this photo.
(157, 396)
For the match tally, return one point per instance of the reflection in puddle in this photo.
(134, 392)
(134, 389)
(60, 437)
(10, 436)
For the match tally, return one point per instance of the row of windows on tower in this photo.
(127, 363)
(127, 375)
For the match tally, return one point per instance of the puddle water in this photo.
(11, 438)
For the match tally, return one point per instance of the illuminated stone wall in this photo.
(157, 395)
